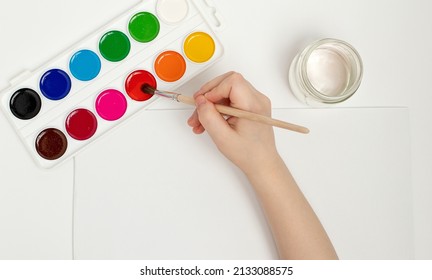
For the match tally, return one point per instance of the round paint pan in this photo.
(81, 124)
(114, 46)
(85, 65)
(134, 83)
(55, 84)
(25, 104)
(111, 105)
(51, 144)
(170, 66)
(172, 11)
(199, 47)
(144, 27)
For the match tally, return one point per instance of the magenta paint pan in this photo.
(81, 94)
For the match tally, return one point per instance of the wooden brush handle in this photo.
(230, 111)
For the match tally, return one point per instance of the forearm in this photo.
(297, 231)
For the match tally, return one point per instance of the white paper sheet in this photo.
(154, 190)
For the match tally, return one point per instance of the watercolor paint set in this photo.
(60, 108)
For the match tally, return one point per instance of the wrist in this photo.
(263, 167)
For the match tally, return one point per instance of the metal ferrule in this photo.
(171, 95)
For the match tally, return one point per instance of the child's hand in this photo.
(248, 144)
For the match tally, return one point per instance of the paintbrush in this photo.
(227, 110)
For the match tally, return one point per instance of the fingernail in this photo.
(199, 92)
(200, 100)
(190, 121)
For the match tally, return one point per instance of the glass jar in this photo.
(327, 71)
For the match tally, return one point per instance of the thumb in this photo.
(212, 120)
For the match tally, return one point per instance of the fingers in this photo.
(193, 119)
(220, 88)
(212, 120)
(234, 88)
(212, 84)
(198, 130)
(229, 89)
(194, 122)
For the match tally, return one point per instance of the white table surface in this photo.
(74, 211)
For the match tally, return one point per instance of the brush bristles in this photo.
(146, 88)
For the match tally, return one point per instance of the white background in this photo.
(379, 207)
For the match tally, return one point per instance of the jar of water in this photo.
(327, 71)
